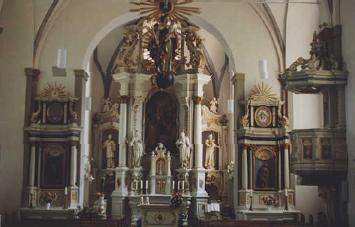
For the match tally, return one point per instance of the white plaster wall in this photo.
(249, 42)
(348, 19)
(308, 202)
(302, 21)
(16, 43)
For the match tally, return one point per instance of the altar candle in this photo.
(183, 185)
(178, 185)
(173, 184)
(141, 184)
(286, 193)
(65, 191)
(146, 185)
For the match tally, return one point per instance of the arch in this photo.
(126, 18)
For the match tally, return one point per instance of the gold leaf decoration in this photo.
(54, 90)
(263, 93)
(154, 9)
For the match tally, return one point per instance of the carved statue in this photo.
(184, 146)
(136, 150)
(35, 115)
(109, 147)
(74, 118)
(213, 105)
(210, 148)
(130, 40)
(194, 45)
(107, 105)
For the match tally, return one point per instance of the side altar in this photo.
(265, 192)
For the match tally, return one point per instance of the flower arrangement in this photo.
(176, 200)
(49, 197)
(269, 200)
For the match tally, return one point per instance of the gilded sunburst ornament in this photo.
(54, 90)
(154, 9)
(263, 93)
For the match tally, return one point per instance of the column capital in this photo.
(197, 99)
(238, 77)
(32, 72)
(124, 99)
(81, 73)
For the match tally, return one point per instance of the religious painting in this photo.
(326, 148)
(263, 117)
(307, 149)
(55, 113)
(211, 149)
(265, 171)
(161, 121)
(109, 148)
(53, 166)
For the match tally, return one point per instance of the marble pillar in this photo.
(31, 180)
(73, 189)
(121, 191)
(244, 167)
(287, 167)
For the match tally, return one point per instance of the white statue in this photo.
(210, 147)
(184, 146)
(213, 105)
(107, 105)
(137, 150)
(109, 147)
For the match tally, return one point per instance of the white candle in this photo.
(65, 191)
(141, 184)
(136, 183)
(183, 185)
(178, 185)
(146, 185)
(173, 185)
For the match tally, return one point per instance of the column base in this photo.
(31, 197)
(73, 200)
(119, 207)
(198, 183)
(120, 185)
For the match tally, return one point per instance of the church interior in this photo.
(147, 113)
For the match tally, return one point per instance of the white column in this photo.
(198, 133)
(123, 131)
(341, 107)
(244, 168)
(287, 168)
(250, 170)
(73, 165)
(32, 165)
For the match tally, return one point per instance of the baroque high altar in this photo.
(160, 150)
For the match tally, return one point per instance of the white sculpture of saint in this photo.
(109, 146)
(184, 146)
(210, 148)
(213, 105)
(137, 150)
(107, 105)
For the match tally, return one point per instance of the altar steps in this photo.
(233, 223)
(70, 223)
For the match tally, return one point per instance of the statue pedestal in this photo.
(119, 194)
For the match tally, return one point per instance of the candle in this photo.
(65, 191)
(178, 185)
(286, 193)
(141, 184)
(136, 185)
(173, 185)
(183, 185)
(146, 185)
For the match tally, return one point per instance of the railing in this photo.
(318, 150)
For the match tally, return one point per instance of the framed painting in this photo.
(265, 168)
(53, 166)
